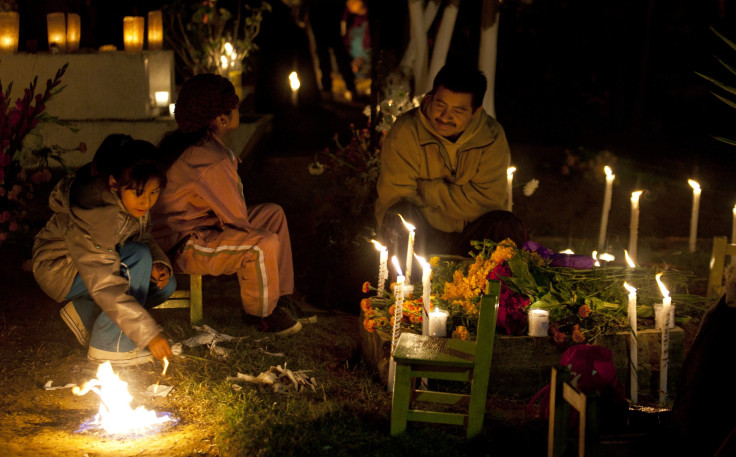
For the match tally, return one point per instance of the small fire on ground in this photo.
(115, 415)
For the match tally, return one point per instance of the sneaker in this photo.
(119, 359)
(71, 318)
(296, 311)
(279, 323)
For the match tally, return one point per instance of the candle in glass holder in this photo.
(73, 31)
(538, 322)
(9, 30)
(694, 214)
(155, 30)
(162, 98)
(56, 27)
(133, 27)
(438, 322)
(606, 207)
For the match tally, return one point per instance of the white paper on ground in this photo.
(155, 390)
(48, 386)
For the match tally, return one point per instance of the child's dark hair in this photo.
(465, 78)
(106, 154)
(200, 101)
(136, 164)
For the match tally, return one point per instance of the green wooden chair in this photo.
(418, 356)
(563, 396)
(191, 299)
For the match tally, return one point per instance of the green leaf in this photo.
(725, 40)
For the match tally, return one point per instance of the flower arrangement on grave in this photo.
(24, 159)
(378, 313)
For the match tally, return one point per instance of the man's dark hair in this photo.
(463, 78)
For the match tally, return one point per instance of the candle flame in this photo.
(595, 257)
(294, 81)
(635, 196)
(734, 212)
(607, 257)
(408, 226)
(609, 172)
(379, 246)
(567, 251)
(628, 259)
(422, 261)
(665, 292)
(510, 171)
(395, 261)
(694, 185)
(630, 288)
(166, 366)
(228, 48)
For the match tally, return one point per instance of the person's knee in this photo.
(135, 252)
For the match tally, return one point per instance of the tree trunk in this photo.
(442, 42)
(488, 51)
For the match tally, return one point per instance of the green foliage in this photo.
(723, 86)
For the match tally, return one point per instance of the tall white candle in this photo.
(634, 224)
(733, 227)
(509, 186)
(398, 314)
(633, 344)
(606, 207)
(664, 356)
(382, 266)
(694, 215)
(409, 248)
(426, 290)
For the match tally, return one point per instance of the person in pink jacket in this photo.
(201, 219)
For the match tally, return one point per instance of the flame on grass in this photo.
(115, 415)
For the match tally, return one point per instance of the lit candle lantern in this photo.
(108, 48)
(606, 207)
(538, 322)
(382, 266)
(73, 31)
(664, 356)
(295, 84)
(155, 30)
(634, 223)
(409, 247)
(633, 344)
(162, 98)
(56, 27)
(133, 27)
(9, 29)
(438, 322)
(694, 213)
(509, 186)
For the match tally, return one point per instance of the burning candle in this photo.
(73, 31)
(606, 207)
(155, 30)
(426, 291)
(398, 314)
(733, 227)
(509, 186)
(9, 29)
(634, 223)
(409, 248)
(172, 109)
(664, 357)
(694, 215)
(56, 28)
(294, 83)
(538, 322)
(382, 266)
(133, 33)
(438, 322)
(633, 344)
(162, 98)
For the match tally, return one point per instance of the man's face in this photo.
(450, 112)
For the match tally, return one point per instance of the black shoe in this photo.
(296, 311)
(279, 323)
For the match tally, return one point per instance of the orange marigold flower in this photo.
(434, 261)
(369, 325)
(366, 287)
(559, 337)
(461, 333)
(382, 321)
(577, 335)
(414, 319)
(365, 305)
(392, 309)
(584, 311)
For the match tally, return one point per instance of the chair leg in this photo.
(195, 299)
(400, 400)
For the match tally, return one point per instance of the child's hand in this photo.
(160, 275)
(160, 348)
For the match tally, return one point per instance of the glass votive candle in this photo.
(538, 322)
(438, 322)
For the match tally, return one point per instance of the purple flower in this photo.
(579, 262)
(533, 246)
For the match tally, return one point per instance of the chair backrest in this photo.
(558, 414)
(486, 331)
(721, 249)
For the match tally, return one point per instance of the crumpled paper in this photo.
(280, 379)
(155, 390)
(48, 386)
(209, 335)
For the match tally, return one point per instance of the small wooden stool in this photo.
(191, 299)
(721, 249)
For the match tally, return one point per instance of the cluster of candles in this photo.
(64, 31)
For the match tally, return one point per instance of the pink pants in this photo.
(260, 256)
